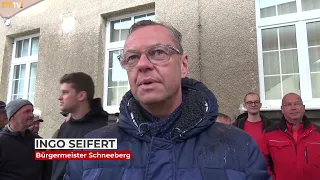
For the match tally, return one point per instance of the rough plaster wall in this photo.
(185, 17)
(229, 51)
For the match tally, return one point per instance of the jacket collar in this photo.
(283, 123)
(243, 117)
(199, 112)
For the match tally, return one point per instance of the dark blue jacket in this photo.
(200, 150)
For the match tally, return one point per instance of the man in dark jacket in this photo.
(17, 145)
(87, 114)
(252, 121)
(3, 115)
(169, 123)
(292, 146)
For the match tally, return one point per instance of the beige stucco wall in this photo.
(219, 37)
(229, 51)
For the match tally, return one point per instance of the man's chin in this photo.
(253, 112)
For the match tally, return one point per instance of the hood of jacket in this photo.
(199, 112)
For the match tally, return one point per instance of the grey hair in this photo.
(176, 34)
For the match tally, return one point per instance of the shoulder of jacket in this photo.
(108, 131)
(317, 127)
(272, 127)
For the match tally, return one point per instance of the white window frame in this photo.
(299, 19)
(113, 46)
(20, 61)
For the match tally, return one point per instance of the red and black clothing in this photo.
(254, 129)
(289, 158)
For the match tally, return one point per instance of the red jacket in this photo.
(288, 159)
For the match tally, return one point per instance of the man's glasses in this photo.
(250, 103)
(289, 104)
(158, 54)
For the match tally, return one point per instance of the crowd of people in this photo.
(171, 124)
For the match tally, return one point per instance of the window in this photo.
(23, 68)
(116, 81)
(288, 33)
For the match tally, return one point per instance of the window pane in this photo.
(21, 86)
(151, 16)
(287, 37)
(16, 71)
(22, 71)
(314, 55)
(315, 80)
(110, 82)
(271, 63)
(31, 98)
(18, 79)
(18, 49)
(268, 12)
(32, 83)
(19, 71)
(291, 84)
(15, 87)
(268, 7)
(34, 46)
(115, 32)
(272, 87)
(287, 8)
(13, 97)
(121, 92)
(124, 82)
(289, 62)
(25, 47)
(116, 73)
(310, 5)
(33, 70)
(140, 18)
(125, 26)
(269, 39)
(113, 58)
(313, 30)
(112, 97)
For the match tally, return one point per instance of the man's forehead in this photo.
(148, 36)
(252, 97)
(291, 98)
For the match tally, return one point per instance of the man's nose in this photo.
(144, 62)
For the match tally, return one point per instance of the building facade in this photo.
(234, 47)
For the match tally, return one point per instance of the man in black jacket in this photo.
(17, 145)
(3, 115)
(251, 121)
(87, 114)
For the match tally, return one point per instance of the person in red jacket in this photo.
(292, 146)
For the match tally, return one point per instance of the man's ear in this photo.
(82, 95)
(184, 65)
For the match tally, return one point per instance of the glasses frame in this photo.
(174, 49)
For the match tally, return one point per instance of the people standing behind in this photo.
(223, 118)
(87, 114)
(3, 115)
(167, 121)
(292, 146)
(36, 121)
(252, 121)
(17, 145)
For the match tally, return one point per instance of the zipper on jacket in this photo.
(294, 141)
(306, 154)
